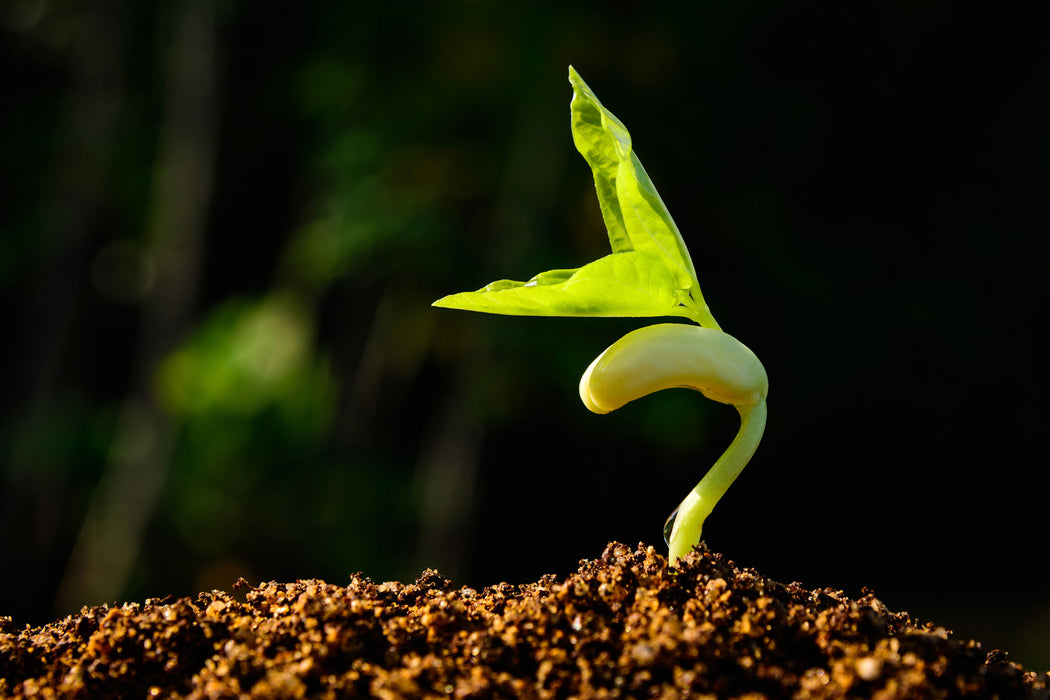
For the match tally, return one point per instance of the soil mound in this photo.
(621, 626)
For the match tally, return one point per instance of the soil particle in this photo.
(621, 626)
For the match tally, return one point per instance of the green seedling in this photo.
(648, 274)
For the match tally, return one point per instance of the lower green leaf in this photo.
(621, 284)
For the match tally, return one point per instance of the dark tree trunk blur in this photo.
(35, 499)
(125, 499)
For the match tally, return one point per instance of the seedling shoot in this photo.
(649, 274)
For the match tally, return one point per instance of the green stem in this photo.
(689, 521)
(697, 309)
(703, 316)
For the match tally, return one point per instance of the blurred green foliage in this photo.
(229, 219)
(247, 357)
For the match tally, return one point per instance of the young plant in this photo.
(648, 274)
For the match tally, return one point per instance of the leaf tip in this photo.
(580, 86)
(443, 302)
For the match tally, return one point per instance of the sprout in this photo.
(648, 274)
(670, 355)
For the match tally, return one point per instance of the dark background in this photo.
(223, 225)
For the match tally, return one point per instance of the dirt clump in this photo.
(621, 626)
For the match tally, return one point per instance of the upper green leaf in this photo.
(649, 272)
(634, 214)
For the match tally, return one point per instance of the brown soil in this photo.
(622, 626)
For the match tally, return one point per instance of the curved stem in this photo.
(701, 500)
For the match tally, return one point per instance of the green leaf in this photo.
(621, 284)
(635, 215)
(649, 272)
